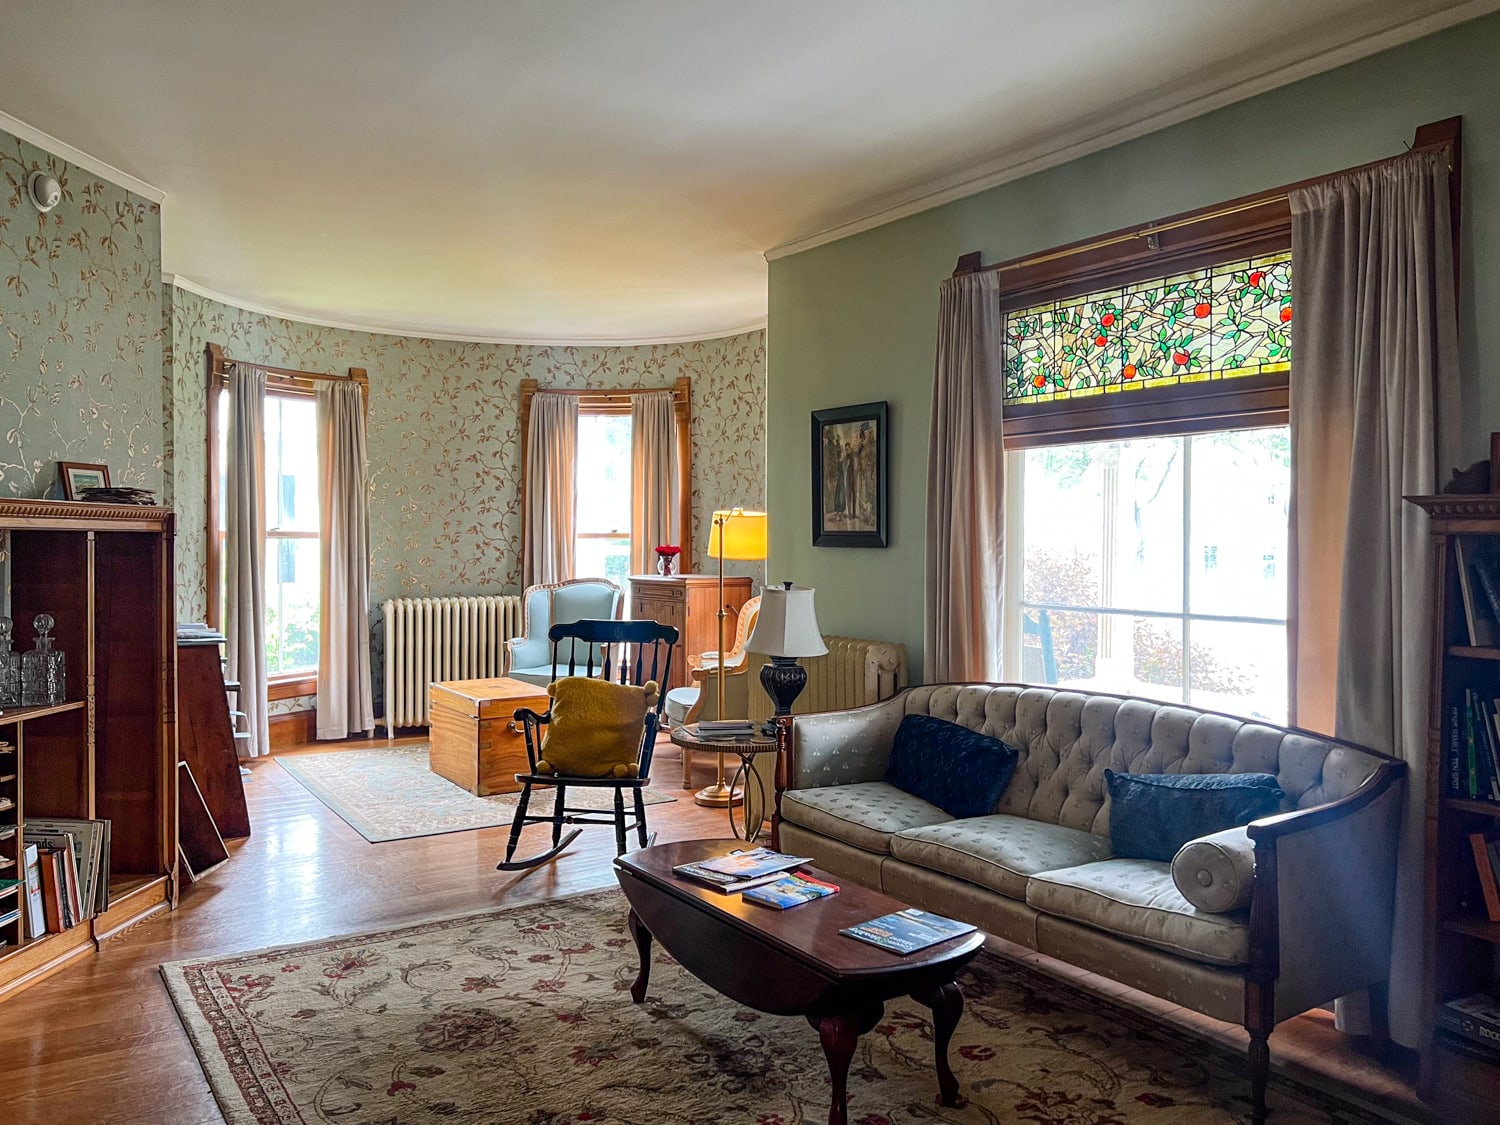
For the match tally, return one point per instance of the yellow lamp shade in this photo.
(738, 534)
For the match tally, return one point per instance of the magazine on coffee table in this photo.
(789, 890)
(907, 931)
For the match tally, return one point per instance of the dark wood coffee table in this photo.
(793, 962)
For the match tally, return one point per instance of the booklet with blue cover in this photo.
(907, 931)
(790, 890)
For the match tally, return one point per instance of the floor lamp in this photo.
(741, 536)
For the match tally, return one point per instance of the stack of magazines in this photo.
(724, 730)
(739, 871)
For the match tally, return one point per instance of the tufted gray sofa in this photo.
(1291, 912)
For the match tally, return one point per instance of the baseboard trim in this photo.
(294, 729)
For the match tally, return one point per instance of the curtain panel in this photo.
(965, 486)
(1374, 415)
(346, 703)
(245, 552)
(551, 489)
(655, 478)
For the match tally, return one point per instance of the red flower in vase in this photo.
(668, 552)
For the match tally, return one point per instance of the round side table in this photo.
(753, 805)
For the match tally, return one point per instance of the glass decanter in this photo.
(43, 670)
(10, 667)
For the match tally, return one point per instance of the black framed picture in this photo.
(850, 463)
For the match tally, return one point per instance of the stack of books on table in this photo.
(724, 730)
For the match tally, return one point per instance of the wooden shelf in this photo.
(1473, 925)
(1480, 808)
(1474, 652)
(25, 714)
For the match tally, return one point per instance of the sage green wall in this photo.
(856, 320)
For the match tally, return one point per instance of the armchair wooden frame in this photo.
(634, 652)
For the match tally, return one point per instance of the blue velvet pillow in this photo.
(1151, 815)
(957, 769)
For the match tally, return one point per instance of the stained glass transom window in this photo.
(1218, 322)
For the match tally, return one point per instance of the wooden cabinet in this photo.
(109, 750)
(476, 742)
(690, 602)
(1462, 944)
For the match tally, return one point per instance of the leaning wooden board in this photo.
(475, 742)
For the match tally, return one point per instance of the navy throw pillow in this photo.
(957, 769)
(1151, 815)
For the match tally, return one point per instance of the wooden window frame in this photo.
(280, 382)
(618, 401)
(1247, 227)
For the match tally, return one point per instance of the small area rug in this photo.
(391, 793)
(524, 1016)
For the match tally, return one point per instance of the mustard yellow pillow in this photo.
(596, 727)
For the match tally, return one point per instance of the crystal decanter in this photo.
(10, 667)
(43, 671)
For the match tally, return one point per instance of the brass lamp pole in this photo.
(740, 535)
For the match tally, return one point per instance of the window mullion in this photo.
(1187, 551)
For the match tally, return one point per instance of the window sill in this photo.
(288, 687)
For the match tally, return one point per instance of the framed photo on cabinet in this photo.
(850, 475)
(77, 476)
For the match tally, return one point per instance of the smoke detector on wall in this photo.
(44, 190)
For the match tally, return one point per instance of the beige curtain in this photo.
(346, 703)
(655, 479)
(551, 489)
(1374, 395)
(965, 486)
(245, 552)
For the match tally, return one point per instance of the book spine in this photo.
(1454, 733)
(1486, 778)
(52, 891)
(1467, 595)
(1489, 582)
(1471, 759)
(1486, 875)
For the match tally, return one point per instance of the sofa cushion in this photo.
(1136, 899)
(961, 771)
(1153, 815)
(997, 852)
(865, 814)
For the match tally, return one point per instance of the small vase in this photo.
(665, 563)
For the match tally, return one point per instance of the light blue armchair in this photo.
(559, 603)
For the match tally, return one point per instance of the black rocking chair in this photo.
(626, 652)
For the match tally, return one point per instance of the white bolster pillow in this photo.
(1216, 873)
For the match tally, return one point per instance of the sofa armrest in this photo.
(1325, 887)
(843, 747)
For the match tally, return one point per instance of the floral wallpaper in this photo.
(80, 328)
(444, 438)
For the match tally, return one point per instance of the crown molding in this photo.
(1100, 133)
(75, 156)
(180, 282)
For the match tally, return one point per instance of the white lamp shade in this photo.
(787, 625)
(738, 534)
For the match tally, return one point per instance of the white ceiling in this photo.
(609, 170)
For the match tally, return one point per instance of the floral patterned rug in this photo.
(524, 1016)
(391, 793)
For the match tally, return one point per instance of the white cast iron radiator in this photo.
(433, 639)
(853, 673)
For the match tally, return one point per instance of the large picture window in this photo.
(602, 535)
(1156, 567)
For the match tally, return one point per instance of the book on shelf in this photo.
(1478, 616)
(1488, 883)
(907, 931)
(53, 901)
(792, 889)
(1474, 1019)
(9, 914)
(36, 916)
(89, 842)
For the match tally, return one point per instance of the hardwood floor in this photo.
(101, 1042)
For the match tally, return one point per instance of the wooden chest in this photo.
(691, 603)
(476, 742)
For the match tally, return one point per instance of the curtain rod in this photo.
(229, 366)
(1151, 230)
(609, 395)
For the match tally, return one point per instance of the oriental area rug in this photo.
(391, 793)
(524, 1016)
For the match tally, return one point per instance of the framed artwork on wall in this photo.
(850, 467)
(76, 476)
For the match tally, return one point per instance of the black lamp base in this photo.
(783, 680)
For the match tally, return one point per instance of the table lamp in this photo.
(786, 629)
(739, 535)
